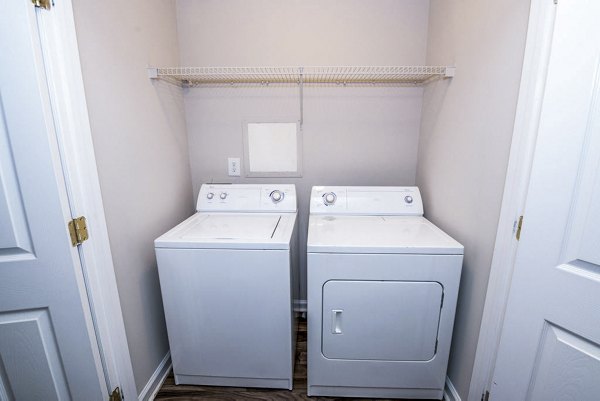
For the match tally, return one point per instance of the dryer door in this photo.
(381, 320)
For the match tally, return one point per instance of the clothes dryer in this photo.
(382, 288)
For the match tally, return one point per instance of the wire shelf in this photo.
(340, 75)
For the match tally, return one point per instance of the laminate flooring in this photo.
(170, 392)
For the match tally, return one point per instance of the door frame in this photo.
(69, 109)
(531, 93)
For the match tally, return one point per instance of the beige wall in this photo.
(465, 139)
(138, 130)
(352, 136)
(302, 32)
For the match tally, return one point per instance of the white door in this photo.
(363, 320)
(550, 344)
(48, 349)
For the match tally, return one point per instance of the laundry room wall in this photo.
(351, 136)
(138, 130)
(465, 139)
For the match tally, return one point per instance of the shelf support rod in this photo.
(301, 90)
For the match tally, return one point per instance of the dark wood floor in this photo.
(170, 392)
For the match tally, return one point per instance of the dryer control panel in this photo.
(247, 198)
(391, 201)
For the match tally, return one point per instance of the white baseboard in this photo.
(300, 305)
(450, 393)
(151, 388)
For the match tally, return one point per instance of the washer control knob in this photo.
(408, 199)
(276, 196)
(329, 198)
(223, 195)
(210, 195)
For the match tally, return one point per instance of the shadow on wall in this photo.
(434, 96)
(171, 103)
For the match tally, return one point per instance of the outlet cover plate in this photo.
(233, 166)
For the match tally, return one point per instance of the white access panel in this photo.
(364, 320)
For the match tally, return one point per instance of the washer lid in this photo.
(378, 234)
(231, 230)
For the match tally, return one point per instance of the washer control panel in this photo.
(366, 200)
(247, 198)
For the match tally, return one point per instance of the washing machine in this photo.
(228, 281)
(382, 288)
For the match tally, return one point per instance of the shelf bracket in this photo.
(152, 73)
(450, 71)
(301, 90)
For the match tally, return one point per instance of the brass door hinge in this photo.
(116, 395)
(45, 4)
(519, 226)
(78, 230)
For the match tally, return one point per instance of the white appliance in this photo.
(227, 277)
(382, 288)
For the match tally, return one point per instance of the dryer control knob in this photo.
(276, 196)
(210, 195)
(329, 198)
(408, 199)
(223, 195)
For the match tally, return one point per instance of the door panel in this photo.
(48, 349)
(15, 241)
(568, 367)
(549, 348)
(31, 368)
(584, 241)
(381, 320)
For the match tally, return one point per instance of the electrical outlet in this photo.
(233, 164)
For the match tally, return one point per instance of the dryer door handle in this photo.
(336, 321)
